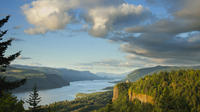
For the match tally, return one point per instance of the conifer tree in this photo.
(8, 103)
(34, 100)
(5, 61)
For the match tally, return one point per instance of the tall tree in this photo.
(5, 61)
(34, 100)
(8, 103)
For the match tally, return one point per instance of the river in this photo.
(68, 92)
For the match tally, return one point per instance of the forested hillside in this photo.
(139, 73)
(174, 91)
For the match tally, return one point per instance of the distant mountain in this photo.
(67, 74)
(46, 77)
(139, 73)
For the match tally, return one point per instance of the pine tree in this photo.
(8, 103)
(5, 61)
(34, 100)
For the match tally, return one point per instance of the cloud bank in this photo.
(171, 40)
(102, 16)
(112, 18)
(175, 40)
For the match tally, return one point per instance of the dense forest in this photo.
(174, 91)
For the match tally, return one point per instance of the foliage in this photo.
(174, 91)
(8, 103)
(34, 100)
(5, 60)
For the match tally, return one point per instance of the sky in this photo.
(113, 36)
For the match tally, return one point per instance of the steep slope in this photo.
(66, 74)
(42, 80)
(174, 91)
(139, 73)
(45, 77)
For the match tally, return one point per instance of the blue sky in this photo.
(100, 35)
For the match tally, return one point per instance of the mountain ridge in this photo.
(46, 77)
(142, 72)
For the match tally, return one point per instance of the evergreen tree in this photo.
(34, 100)
(8, 103)
(5, 61)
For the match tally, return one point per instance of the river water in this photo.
(68, 92)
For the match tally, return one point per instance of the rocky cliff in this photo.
(142, 97)
(115, 93)
(132, 95)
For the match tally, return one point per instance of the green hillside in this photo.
(139, 73)
(174, 91)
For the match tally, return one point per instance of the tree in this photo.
(5, 61)
(34, 100)
(8, 103)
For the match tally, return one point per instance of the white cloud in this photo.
(48, 15)
(105, 19)
(158, 42)
(103, 15)
(169, 40)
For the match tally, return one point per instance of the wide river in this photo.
(68, 92)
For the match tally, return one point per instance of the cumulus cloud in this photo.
(173, 40)
(102, 16)
(48, 15)
(170, 47)
(107, 19)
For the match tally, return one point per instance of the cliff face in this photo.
(131, 95)
(115, 93)
(142, 97)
